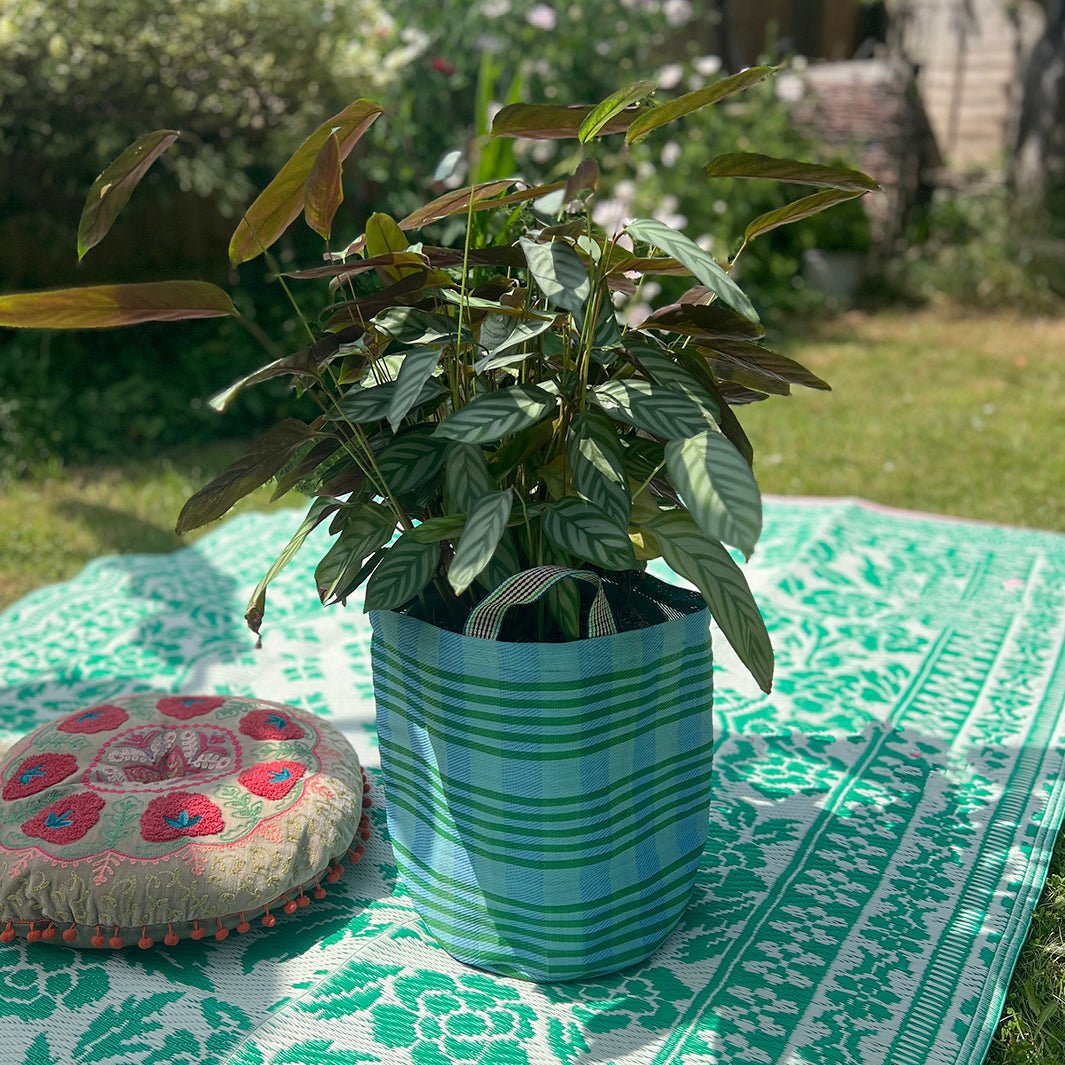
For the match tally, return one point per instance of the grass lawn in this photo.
(954, 415)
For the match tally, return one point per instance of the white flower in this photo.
(495, 8)
(542, 16)
(677, 12)
(669, 76)
(543, 151)
(670, 153)
(789, 88)
(707, 65)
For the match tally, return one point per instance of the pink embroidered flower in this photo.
(38, 772)
(103, 718)
(185, 706)
(180, 814)
(272, 780)
(65, 820)
(270, 725)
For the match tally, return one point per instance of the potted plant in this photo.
(499, 458)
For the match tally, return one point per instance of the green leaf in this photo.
(753, 165)
(254, 468)
(408, 325)
(643, 457)
(288, 478)
(363, 405)
(500, 332)
(755, 357)
(718, 488)
(799, 209)
(277, 206)
(484, 529)
(365, 530)
(417, 368)
(433, 530)
(710, 568)
(111, 191)
(701, 263)
(702, 321)
(587, 533)
(730, 426)
(323, 191)
(552, 122)
(497, 414)
(661, 411)
(105, 306)
(613, 105)
(318, 511)
(693, 101)
(597, 462)
(466, 477)
(662, 367)
(406, 569)
(384, 236)
(411, 460)
(559, 274)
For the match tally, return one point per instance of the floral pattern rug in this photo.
(880, 829)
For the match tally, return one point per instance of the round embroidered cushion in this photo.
(151, 818)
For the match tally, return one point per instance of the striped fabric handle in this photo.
(486, 619)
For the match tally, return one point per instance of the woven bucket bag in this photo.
(547, 802)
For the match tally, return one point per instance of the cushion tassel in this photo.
(197, 932)
(269, 920)
(50, 931)
(71, 933)
(8, 933)
(170, 939)
(116, 940)
(319, 891)
(290, 905)
(243, 926)
(33, 934)
(222, 932)
(145, 942)
(98, 939)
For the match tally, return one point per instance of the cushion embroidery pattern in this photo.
(148, 822)
(915, 737)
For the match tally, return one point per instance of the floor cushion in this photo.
(152, 817)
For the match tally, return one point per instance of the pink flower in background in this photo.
(102, 718)
(442, 66)
(185, 706)
(37, 773)
(66, 820)
(542, 17)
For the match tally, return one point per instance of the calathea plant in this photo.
(485, 402)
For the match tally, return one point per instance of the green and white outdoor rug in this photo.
(879, 835)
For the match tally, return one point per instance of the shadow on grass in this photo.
(115, 529)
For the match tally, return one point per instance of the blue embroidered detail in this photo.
(183, 820)
(54, 820)
(277, 721)
(279, 776)
(89, 715)
(28, 774)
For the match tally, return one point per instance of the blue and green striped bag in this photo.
(547, 802)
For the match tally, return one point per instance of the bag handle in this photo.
(486, 619)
